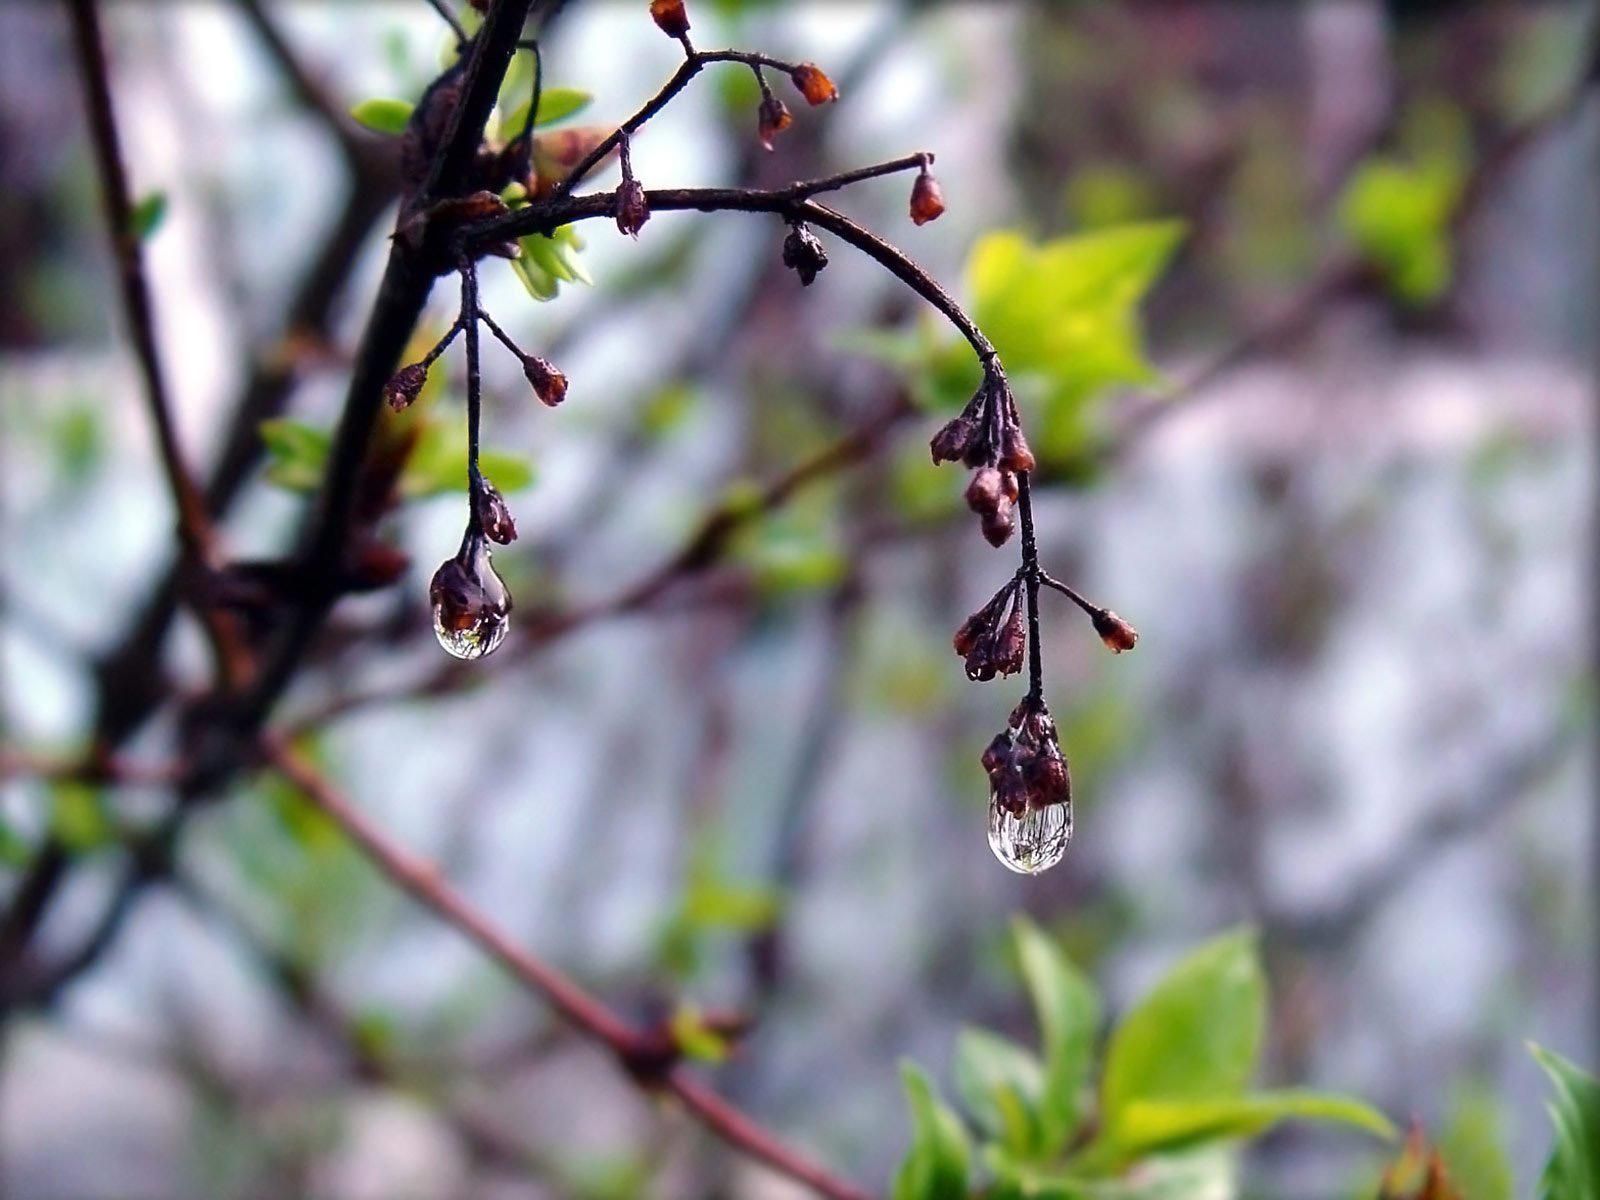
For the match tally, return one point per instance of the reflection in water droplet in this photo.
(1033, 842)
(471, 606)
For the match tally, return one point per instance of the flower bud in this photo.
(404, 386)
(951, 442)
(986, 492)
(549, 384)
(815, 86)
(633, 210)
(999, 526)
(772, 119)
(1015, 453)
(1116, 633)
(803, 254)
(494, 516)
(997, 755)
(1010, 643)
(927, 199)
(1046, 777)
(670, 17)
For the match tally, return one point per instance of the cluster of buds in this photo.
(987, 436)
(803, 253)
(993, 640)
(1026, 768)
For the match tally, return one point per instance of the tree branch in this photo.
(636, 1053)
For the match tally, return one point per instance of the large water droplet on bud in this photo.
(1033, 842)
(471, 607)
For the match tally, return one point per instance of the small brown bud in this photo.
(803, 254)
(670, 17)
(1011, 643)
(404, 386)
(986, 492)
(1116, 633)
(815, 86)
(772, 119)
(999, 526)
(549, 384)
(1010, 792)
(927, 199)
(951, 442)
(997, 754)
(1015, 453)
(1047, 778)
(494, 516)
(633, 210)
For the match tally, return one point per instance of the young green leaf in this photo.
(1150, 1126)
(1398, 216)
(1573, 1169)
(555, 104)
(935, 1167)
(1473, 1146)
(147, 215)
(383, 116)
(1001, 1085)
(1068, 1009)
(1194, 1037)
(296, 453)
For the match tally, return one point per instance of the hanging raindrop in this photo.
(471, 607)
(1032, 842)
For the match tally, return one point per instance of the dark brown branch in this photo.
(422, 882)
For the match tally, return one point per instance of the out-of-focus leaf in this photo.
(1397, 213)
(694, 1038)
(744, 908)
(1065, 312)
(1473, 1146)
(1209, 1174)
(382, 115)
(935, 1167)
(1148, 1126)
(555, 104)
(1194, 1037)
(1573, 1169)
(1068, 1010)
(78, 817)
(1000, 1084)
(296, 453)
(147, 214)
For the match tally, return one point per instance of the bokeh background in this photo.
(1349, 508)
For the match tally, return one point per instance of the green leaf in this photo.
(540, 283)
(694, 1038)
(1473, 1147)
(383, 116)
(716, 903)
(1573, 1169)
(1397, 214)
(438, 464)
(1146, 1126)
(1068, 1009)
(1194, 1037)
(296, 453)
(146, 215)
(78, 817)
(935, 1167)
(1065, 313)
(1208, 1174)
(555, 104)
(1001, 1084)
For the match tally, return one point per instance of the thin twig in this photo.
(423, 883)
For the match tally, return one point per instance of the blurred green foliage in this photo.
(1573, 1170)
(1170, 1105)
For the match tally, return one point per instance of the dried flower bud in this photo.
(772, 118)
(997, 754)
(1047, 778)
(999, 526)
(986, 492)
(1011, 643)
(981, 624)
(470, 604)
(633, 210)
(404, 386)
(494, 516)
(549, 384)
(815, 86)
(951, 442)
(927, 199)
(1015, 453)
(1116, 633)
(670, 17)
(803, 254)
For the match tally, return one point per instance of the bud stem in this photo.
(470, 315)
(1031, 577)
(1050, 581)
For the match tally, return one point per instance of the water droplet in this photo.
(471, 607)
(1033, 842)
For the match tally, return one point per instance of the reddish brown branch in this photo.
(422, 882)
